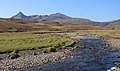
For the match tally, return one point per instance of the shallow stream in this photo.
(94, 56)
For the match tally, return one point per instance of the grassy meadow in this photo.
(102, 33)
(24, 41)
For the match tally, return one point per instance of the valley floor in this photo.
(90, 54)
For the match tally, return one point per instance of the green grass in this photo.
(25, 41)
(102, 33)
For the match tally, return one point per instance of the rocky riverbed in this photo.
(94, 56)
(90, 54)
(27, 59)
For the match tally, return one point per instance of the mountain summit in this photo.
(20, 15)
(58, 16)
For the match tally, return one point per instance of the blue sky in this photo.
(97, 10)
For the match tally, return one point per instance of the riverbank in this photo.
(28, 60)
(94, 56)
(114, 43)
(91, 53)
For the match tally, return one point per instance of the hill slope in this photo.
(18, 25)
(115, 23)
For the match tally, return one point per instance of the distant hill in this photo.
(115, 23)
(58, 17)
(20, 25)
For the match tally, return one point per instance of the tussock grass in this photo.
(25, 41)
(102, 33)
(13, 55)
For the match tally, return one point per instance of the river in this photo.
(94, 56)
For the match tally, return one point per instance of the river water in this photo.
(94, 56)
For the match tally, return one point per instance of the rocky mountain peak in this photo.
(20, 15)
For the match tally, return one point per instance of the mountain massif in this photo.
(55, 22)
(58, 17)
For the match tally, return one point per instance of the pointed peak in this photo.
(20, 13)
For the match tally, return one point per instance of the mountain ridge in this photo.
(59, 17)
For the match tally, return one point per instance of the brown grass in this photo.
(30, 25)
